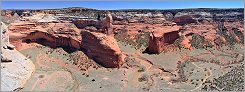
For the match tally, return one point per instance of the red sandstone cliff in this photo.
(161, 37)
(52, 40)
(103, 25)
(185, 19)
(102, 48)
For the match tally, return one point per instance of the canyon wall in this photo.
(16, 69)
(103, 25)
(52, 40)
(98, 46)
(157, 43)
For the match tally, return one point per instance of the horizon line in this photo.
(127, 8)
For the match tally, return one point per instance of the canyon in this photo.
(123, 50)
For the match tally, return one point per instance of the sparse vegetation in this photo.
(201, 67)
(140, 40)
(177, 42)
(199, 42)
(233, 80)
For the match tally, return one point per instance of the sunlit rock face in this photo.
(157, 43)
(16, 69)
(160, 38)
(102, 48)
(102, 24)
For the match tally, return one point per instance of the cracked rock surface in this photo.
(16, 71)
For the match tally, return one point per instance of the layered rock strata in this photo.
(52, 40)
(104, 25)
(102, 48)
(159, 39)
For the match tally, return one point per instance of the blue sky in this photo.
(120, 5)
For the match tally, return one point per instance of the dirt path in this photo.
(76, 83)
(205, 79)
(36, 82)
(146, 63)
(42, 85)
(39, 58)
(135, 79)
(41, 64)
(34, 85)
(45, 82)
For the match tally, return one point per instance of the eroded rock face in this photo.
(4, 30)
(99, 46)
(185, 19)
(84, 23)
(52, 40)
(107, 24)
(104, 25)
(16, 69)
(185, 43)
(102, 48)
(157, 43)
(49, 34)
(154, 46)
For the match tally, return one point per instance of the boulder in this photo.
(102, 48)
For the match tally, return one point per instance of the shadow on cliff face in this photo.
(100, 48)
(158, 44)
(52, 45)
(147, 51)
(53, 41)
(93, 45)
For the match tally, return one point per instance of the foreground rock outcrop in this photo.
(102, 48)
(16, 69)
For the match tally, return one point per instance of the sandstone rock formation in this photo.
(14, 74)
(16, 69)
(52, 40)
(4, 30)
(104, 25)
(102, 48)
(231, 33)
(154, 31)
(107, 24)
(183, 42)
(51, 34)
(159, 41)
(86, 22)
(185, 19)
